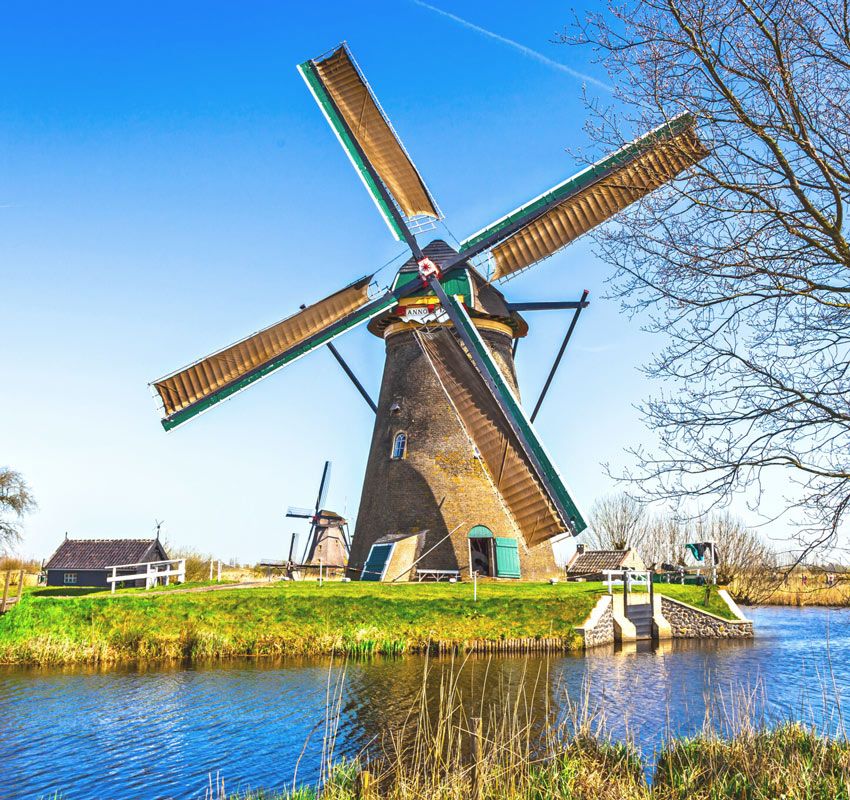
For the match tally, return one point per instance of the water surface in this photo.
(160, 732)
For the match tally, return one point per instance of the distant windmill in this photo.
(454, 460)
(327, 542)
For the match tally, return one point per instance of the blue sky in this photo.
(167, 186)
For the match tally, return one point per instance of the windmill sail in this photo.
(365, 134)
(323, 487)
(543, 226)
(300, 513)
(531, 488)
(196, 388)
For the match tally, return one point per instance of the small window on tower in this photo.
(399, 446)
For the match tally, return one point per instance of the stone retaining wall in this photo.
(687, 622)
(598, 628)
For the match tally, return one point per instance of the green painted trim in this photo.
(480, 532)
(458, 281)
(326, 104)
(363, 315)
(583, 179)
(550, 471)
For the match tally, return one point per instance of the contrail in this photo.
(526, 51)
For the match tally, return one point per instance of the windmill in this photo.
(327, 543)
(455, 463)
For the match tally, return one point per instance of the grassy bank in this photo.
(295, 619)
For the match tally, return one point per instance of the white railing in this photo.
(154, 571)
(632, 577)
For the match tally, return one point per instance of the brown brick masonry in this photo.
(439, 485)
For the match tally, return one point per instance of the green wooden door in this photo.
(507, 558)
(376, 563)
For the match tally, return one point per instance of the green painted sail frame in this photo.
(328, 108)
(547, 473)
(455, 282)
(364, 314)
(578, 182)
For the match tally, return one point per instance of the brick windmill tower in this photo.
(457, 479)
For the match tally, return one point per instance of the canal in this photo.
(160, 732)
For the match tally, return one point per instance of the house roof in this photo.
(101, 553)
(593, 561)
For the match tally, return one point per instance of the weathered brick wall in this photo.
(691, 623)
(439, 485)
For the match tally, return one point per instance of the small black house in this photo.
(85, 562)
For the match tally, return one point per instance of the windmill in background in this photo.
(327, 542)
(455, 462)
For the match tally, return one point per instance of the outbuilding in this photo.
(590, 565)
(88, 562)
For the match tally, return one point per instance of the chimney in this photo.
(580, 549)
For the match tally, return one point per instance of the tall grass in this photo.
(442, 752)
(797, 589)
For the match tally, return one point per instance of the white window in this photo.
(399, 446)
(70, 578)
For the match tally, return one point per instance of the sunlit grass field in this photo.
(296, 618)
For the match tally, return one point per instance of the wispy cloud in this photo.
(526, 51)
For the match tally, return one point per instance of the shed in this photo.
(589, 565)
(86, 562)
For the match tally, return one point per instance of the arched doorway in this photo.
(481, 556)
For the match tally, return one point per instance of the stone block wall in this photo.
(599, 626)
(687, 622)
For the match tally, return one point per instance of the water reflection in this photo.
(159, 732)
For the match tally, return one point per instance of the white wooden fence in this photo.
(154, 571)
(616, 577)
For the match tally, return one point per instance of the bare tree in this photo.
(617, 522)
(744, 265)
(742, 554)
(16, 500)
(744, 559)
(665, 540)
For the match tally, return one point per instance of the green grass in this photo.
(79, 591)
(293, 619)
